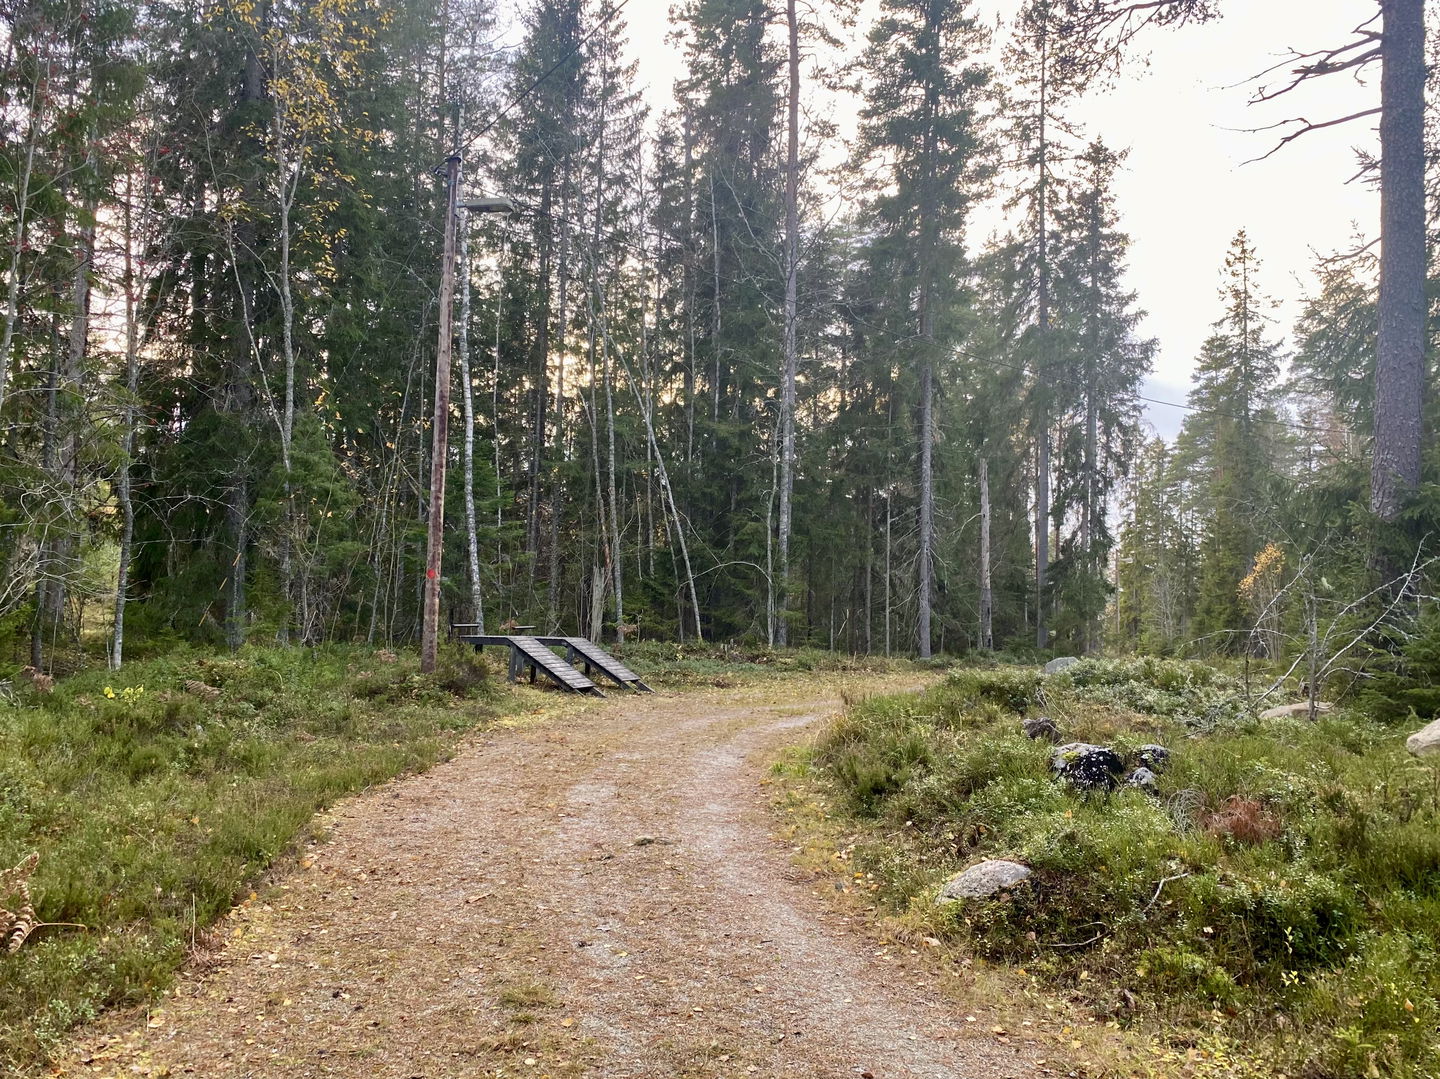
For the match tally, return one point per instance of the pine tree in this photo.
(1231, 445)
(1105, 362)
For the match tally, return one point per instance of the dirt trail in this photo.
(601, 896)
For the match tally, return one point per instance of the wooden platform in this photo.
(594, 658)
(529, 654)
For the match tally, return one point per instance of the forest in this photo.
(692, 400)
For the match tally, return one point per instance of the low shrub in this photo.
(1284, 879)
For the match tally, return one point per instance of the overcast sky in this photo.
(1185, 189)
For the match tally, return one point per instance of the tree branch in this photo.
(1307, 127)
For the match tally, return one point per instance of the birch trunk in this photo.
(792, 262)
(467, 464)
(123, 491)
(22, 223)
(557, 487)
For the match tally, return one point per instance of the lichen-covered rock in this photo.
(984, 879)
(1144, 779)
(1153, 757)
(1041, 727)
(1060, 663)
(1087, 767)
(1424, 741)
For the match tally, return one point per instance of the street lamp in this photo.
(440, 429)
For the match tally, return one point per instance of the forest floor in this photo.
(601, 892)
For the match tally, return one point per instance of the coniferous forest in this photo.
(822, 390)
(718, 377)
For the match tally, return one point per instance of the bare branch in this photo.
(1307, 127)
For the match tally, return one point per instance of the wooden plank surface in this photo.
(541, 657)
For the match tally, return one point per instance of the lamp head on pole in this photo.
(495, 205)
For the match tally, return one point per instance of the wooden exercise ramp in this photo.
(534, 654)
(595, 658)
(527, 653)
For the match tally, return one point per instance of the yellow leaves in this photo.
(1259, 583)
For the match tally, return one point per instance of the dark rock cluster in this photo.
(1089, 768)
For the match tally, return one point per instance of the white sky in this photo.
(1184, 191)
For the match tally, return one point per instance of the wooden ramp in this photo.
(594, 658)
(528, 653)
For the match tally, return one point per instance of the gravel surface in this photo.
(601, 895)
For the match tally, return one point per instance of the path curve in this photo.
(599, 896)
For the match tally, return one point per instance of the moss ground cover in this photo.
(1281, 889)
(153, 805)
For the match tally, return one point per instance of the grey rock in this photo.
(983, 879)
(1322, 708)
(1153, 757)
(1144, 779)
(1041, 727)
(1087, 767)
(1426, 740)
(1060, 663)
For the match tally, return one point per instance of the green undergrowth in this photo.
(153, 806)
(727, 664)
(1281, 890)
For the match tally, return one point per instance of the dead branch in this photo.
(1307, 127)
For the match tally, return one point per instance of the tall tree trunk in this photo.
(792, 317)
(239, 389)
(495, 393)
(927, 496)
(557, 484)
(1399, 368)
(64, 423)
(123, 492)
(49, 457)
(1042, 426)
(290, 181)
(467, 398)
(1042, 531)
(540, 366)
(987, 597)
(889, 521)
(1092, 513)
(617, 565)
(21, 227)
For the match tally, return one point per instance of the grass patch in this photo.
(1281, 891)
(153, 806)
(525, 995)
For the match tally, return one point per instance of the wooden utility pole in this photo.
(440, 428)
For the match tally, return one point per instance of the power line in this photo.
(535, 84)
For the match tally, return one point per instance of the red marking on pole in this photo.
(430, 573)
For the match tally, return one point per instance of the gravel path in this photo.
(598, 896)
